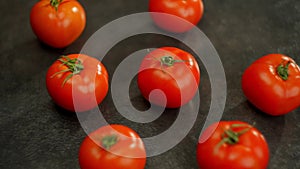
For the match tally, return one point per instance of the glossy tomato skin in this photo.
(128, 152)
(58, 28)
(266, 90)
(187, 14)
(179, 82)
(251, 151)
(86, 89)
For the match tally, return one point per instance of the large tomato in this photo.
(57, 23)
(179, 15)
(234, 145)
(112, 147)
(272, 84)
(77, 79)
(171, 70)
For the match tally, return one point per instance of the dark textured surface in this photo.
(37, 134)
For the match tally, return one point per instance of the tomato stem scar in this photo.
(283, 71)
(109, 141)
(75, 66)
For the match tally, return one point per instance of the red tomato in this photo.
(79, 77)
(112, 147)
(234, 145)
(272, 84)
(57, 23)
(171, 70)
(188, 13)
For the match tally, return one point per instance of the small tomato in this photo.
(77, 79)
(57, 23)
(112, 147)
(174, 72)
(272, 84)
(179, 15)
(234, 145)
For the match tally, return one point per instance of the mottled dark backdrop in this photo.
(36, 134)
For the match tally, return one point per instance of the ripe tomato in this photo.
(112, 147)
(234, 145)
(272, 84)
(186, 14)
(173, 71)
(77, 79)
(57, 23)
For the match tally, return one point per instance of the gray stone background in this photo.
(37, 134)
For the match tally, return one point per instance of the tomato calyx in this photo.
(169, 61)
(55, 3)
(283, 71)
(74, 66)
(108, 141)
(232, 137)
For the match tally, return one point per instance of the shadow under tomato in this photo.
(63, 111)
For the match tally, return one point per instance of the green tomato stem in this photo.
(109, 141)
(74, 66)
(169, 61)
(55, 3)
(232, 137)
(283, 71)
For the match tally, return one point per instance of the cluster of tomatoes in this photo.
(78, 82)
